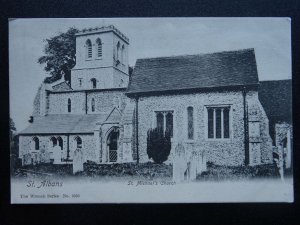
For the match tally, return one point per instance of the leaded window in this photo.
(218, 122)
(169, 123)
(160, 121)
(164, 121)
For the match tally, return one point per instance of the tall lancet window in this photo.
(123, 54)
(94, 83)
(169, 123)
(60, 142)
(93, 105)
(190, 120)
(53, 141)
(69, 105)
(99, 48)
(78, 142)
(36, 143)
(89, 51)
(118, 51)
(160, 121)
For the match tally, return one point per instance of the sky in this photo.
(148, 37)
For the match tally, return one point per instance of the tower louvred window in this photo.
(89, 51)
(99, 48)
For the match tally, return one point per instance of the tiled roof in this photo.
(64, 123)
(64, 86)
(276, 99)
(219, 69)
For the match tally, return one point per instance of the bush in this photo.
(219, 173)
(141, 171)
(158, 145)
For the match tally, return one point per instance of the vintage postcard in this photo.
(151, 110)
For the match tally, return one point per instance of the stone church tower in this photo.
(101, 59)
(92, 113)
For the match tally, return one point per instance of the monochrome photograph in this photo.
(150, 110)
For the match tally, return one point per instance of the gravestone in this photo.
(26, 159)
(193, 166)
(204, 166)
(179, 163)
(57, 155)
(78, 161)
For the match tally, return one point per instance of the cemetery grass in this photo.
(142, 171)
(236, 173)
(146, 171)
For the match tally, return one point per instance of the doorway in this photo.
(112, 144)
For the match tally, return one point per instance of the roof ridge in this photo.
(199, 54)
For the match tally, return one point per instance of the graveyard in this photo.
(147, 171)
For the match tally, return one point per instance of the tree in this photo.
(158, 145)
(14, 147)
(60, 55)
(12, 127)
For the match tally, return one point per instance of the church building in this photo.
(209, 102)
(92, 112)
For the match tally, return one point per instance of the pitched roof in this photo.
(276, 99)
(194, 71)
(64, 86)
(114, 116)
(64, 123)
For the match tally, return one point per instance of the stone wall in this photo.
(260, 141)
(88, 146)
(59, 103)
(37, 102)
(104, 102)
(105, 69)
(281, 130)
(107, 51)
(26, 146)
(220, 151)
(103, 76)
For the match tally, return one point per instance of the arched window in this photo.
(93, 105)
(60, 142)
(54, 141)
(99, 48)
(69, 105)
(36, 143)
(123, 54)
(190, 122)
(94, 83)
(89, 51)
(118, 51)
(78, 142)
